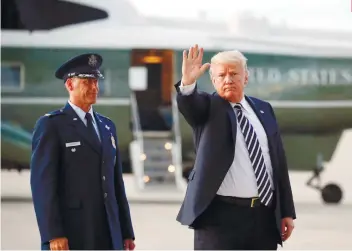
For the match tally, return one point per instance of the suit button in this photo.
(103, 177)
(105, 195)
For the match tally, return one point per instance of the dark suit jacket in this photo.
(214, 128)
(70, 175)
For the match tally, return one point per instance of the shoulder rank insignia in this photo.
(54, 113)
(103, 116)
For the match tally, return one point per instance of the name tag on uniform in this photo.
(70, 144)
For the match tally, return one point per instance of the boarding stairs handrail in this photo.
(137, 145)
(136, 125)
(177, 150)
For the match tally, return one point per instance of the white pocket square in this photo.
(70, 144)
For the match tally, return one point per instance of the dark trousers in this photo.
(225, 226)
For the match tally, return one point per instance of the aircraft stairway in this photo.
(155, 151)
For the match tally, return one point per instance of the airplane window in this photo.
(11, 77)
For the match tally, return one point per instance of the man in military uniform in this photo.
(76, 175)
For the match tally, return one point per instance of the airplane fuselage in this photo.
(311, 96)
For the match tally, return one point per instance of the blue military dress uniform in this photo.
(76, 174)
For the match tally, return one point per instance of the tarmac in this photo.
(318, 225)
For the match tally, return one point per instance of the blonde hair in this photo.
(229, 57)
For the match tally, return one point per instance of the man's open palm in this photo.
(192, 67)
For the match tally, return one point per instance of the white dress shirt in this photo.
(82, 115)
(240, 180)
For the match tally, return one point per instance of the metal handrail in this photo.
(176, 120)
(177, 136)
(137, 129)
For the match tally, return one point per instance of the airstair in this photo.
(155, 155)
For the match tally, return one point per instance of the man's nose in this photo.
(94, 86)
(228, 79)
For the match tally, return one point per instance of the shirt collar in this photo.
(244, 104)
(81, 114)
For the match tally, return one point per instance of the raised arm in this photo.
(193, 105)
(44, 179)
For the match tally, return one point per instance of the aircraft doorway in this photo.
(154, 103)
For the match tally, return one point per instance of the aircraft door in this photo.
(154, 106)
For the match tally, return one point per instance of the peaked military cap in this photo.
(82, 66)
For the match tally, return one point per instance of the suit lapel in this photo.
(258, 113)
(233, 120)
(270, 142)
(80, 127)
(232, 116)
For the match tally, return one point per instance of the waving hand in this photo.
(192, 67)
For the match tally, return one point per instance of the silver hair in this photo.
(229, 57)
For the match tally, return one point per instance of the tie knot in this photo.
(89, 117)
(238, 106)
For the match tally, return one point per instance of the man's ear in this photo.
(69, 84)
(246, 77)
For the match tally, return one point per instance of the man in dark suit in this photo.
(76, 175)
(239, 194)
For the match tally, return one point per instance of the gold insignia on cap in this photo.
(113, 141)
(92, 60)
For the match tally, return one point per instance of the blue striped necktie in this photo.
(256, 156)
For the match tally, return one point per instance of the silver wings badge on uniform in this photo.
(113, 141)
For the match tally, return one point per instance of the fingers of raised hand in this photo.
(194, 53)
(190, 53)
